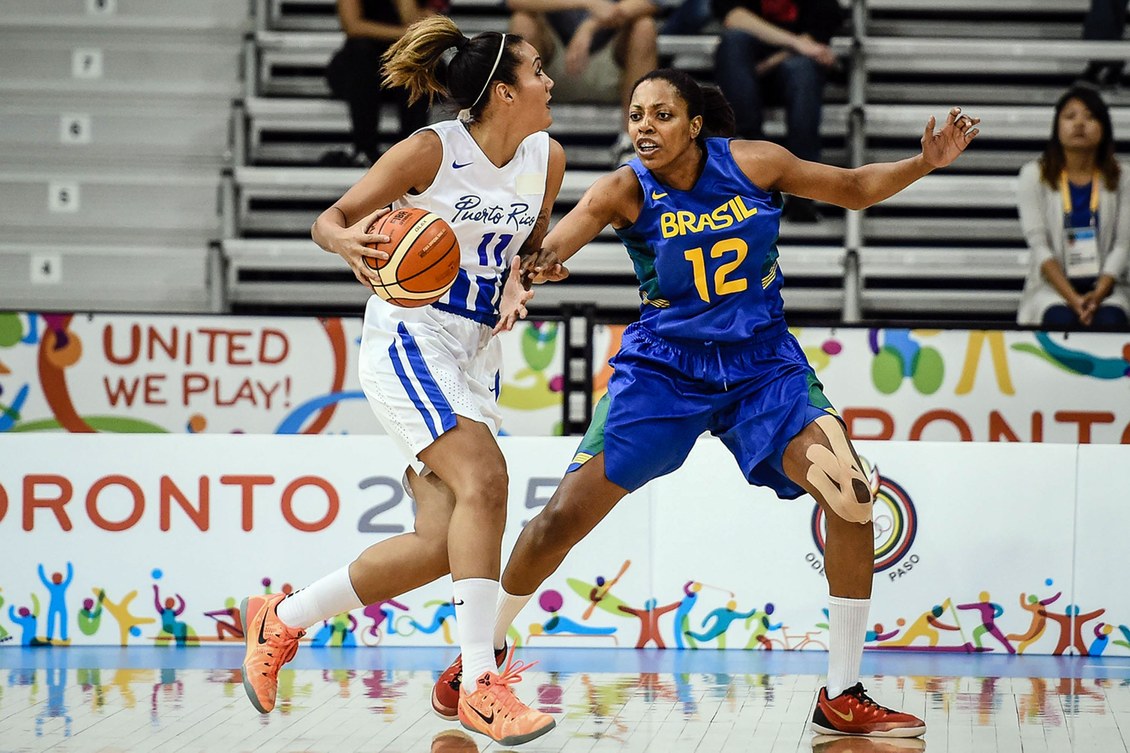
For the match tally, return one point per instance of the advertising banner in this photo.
(290, 375)
(153, 540)
(277, 375)
(1101, 552)
(219, 375)
(963, 385)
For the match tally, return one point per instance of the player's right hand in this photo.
(352, 244)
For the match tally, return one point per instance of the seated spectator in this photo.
(685, 16)
(1074, 206)
(784, 44)
(594, 50)
(354, 73)
(1105, 20)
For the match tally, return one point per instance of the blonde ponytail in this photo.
(413, 61)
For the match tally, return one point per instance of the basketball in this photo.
(423, 257)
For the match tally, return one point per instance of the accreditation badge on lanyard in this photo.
(1080, 243)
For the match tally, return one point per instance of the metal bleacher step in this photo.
(270, 271)
(70, 130)
(115, 61)
(158, 200)
(73, 274)
(143, 15)
(282, 130)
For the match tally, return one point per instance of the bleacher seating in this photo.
(114, 132)
(134, 106)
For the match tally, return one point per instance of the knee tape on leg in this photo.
(837, 476)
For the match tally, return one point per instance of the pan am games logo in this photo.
(896, 526)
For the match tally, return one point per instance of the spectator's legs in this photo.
(1105, 20)
(802, 86)
(735, 59)
(688, 18)
(1059, 316)
(637, 53)
(534, 29)
(354, 75)
(1111, 317)
(412, 117)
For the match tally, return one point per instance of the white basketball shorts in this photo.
(421, 367)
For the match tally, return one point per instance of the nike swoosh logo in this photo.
(457, 166)
(846, 717)
(263, 624)
(484, 717)
(657, 196)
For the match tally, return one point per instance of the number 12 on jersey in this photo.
(724, 282)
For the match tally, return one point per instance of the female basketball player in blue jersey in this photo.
(699, 216)
(431, 373)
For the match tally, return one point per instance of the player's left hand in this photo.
(544, 266)
(515, 296)
(941, 148)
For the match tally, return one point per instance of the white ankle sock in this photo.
(509, 606)
(475, 601)
(847, 624)
(320, 600)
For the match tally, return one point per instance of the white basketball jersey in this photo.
(491, 209)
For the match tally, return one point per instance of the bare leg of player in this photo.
(583, 499)
(470, 462)
(274, 623)
(822, 461)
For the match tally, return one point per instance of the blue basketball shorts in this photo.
(754, 395)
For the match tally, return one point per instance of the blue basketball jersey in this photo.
(706, 259)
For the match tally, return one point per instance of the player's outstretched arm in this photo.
(775, 168)
(343, 229)
(532, 247)
(614, 199)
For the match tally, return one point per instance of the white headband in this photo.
(501, 47)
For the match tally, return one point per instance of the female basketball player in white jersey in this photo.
(431, 374)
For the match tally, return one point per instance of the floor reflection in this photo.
(339, 710)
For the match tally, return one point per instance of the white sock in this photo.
(509, 606)
(320, 600)
(475, 601)
(847, 624)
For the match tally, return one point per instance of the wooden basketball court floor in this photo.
(99, 700)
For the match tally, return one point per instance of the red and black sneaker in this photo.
(853, 712)
(445, 693)
(841, 744)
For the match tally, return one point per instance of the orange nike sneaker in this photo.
(445, 693)
(493, 710)
(271, 643)
(854, 713)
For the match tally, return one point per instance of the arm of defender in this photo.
(516, 292)
(775, 168)
(613, 199)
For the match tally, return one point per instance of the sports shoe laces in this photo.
(284, 645)
(859, 693)
(511, 674)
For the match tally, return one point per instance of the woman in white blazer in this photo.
(1074, 206)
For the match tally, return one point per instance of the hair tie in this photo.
(461, 42)
(501, 47)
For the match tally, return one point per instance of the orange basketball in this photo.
(423, 257)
